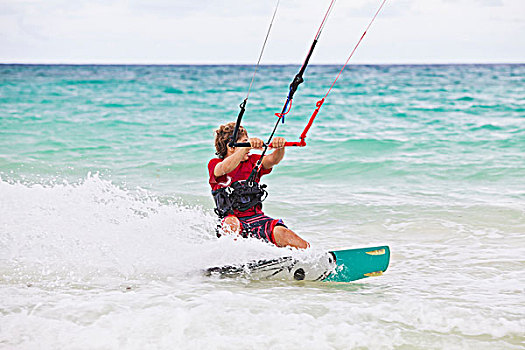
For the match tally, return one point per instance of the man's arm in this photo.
(276, 156)
(231, 162)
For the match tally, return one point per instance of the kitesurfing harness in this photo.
(240, 195)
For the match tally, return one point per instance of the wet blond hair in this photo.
(223, 135)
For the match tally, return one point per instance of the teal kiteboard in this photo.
(335, 266)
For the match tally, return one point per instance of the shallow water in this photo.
(107, 218)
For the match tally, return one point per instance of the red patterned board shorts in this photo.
(258, 226)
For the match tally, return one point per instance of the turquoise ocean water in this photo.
(106, 214)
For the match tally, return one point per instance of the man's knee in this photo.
(285, 237)
(231, 225)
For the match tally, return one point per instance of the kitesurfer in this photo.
(238, 201)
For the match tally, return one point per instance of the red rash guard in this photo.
(242, 172)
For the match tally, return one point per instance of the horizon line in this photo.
(252, 64)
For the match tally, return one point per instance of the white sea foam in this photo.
(93, 265)
(94, 229)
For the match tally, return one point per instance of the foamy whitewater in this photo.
(106, 219)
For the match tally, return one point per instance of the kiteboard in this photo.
(335, 266)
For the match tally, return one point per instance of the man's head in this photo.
(223, 136)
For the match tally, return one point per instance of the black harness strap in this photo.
(240, 195)
(242, 106)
